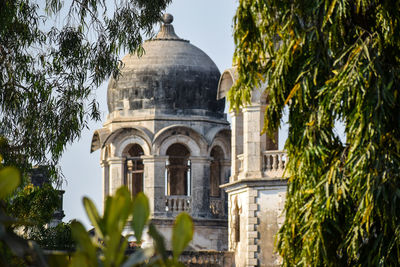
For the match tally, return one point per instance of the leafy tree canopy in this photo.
(330, 61)
(33, 205)
(50, 65)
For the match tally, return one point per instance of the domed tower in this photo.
(166, 134)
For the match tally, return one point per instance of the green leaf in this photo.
(79, 260)
(93, 215)
(138, 257)
(182, 234)
(9, 181)
(141, 212)
(173, 263)
(119, 209)
(292, 93)
(159, 241)
(114, 249)
(85, 248)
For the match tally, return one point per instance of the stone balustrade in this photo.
(274, 163)
(178, 203)
(207, 258)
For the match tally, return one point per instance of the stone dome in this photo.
(173, 77)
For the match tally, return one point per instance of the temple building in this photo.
(166, 134)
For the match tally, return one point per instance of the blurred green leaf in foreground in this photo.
(108, 245)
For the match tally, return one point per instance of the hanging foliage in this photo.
(330, 61)
(54, 54)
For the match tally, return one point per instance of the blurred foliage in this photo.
(53, 238)
(34, 205)
(14, 250)
(329, 61)
(53, 56)
(49, 70)
(107, 247)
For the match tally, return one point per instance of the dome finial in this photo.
(167, 30)
(167, 18)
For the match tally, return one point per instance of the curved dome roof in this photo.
(173, 76)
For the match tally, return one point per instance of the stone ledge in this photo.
(245, 183)
(161, 117)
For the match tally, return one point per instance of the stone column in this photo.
(154, 183)
(226, 169)
(106, 179)
(253, 116)
(200, 186)
(237, 143)
(129, 179)
(116, 174)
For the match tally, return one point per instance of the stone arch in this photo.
(227, 79)
(98, 139)
(105, 152)
(95, 142)
(195, 142)
(122, 137)
(123, 132)
(216, 170)
(219, 142)
(222, 138)
(213, 132)
(134, 168)
(188, 142)
(122, 144)
(133, 150)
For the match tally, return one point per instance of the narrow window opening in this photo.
(178, 170)
(217, 156)
(134, 169)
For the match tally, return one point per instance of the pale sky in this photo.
(205, 23)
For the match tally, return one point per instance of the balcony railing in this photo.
(274, 163)
(178, 203)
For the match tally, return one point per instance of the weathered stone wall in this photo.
(239, 199)
(270, 217)
(259, 204)
(208, 234)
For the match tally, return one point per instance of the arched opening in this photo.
(134, 168)
(178, 170)
(217, 156)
